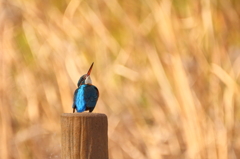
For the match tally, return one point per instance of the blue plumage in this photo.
(85, 98)
(86, 95)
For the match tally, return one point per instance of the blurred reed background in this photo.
(167, 72)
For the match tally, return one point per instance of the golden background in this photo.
(167, 73)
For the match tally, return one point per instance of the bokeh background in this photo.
(167, 72)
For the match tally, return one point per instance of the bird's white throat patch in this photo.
(88, 80)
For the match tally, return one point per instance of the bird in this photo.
(86, 95)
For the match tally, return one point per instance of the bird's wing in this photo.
(80, 101)
(97, 92)
(91, 95)
(74, 98)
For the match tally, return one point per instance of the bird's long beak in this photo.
(90, 69)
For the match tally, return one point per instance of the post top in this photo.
(84, 114)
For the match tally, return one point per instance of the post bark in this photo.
(84, 136)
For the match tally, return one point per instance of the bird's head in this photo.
(85, 79)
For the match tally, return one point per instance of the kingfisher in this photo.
(86, 95)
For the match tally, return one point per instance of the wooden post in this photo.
(84, 136)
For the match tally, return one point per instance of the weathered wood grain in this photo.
(84, 136)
